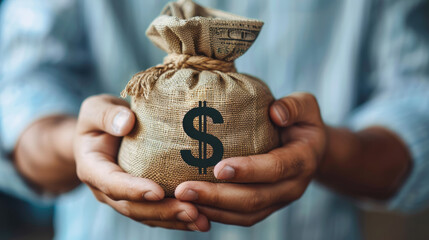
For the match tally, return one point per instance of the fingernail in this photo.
(227, 172)
(193, 227)
(184, 216)
(151, 196)
(281, 112)
(189, 195)
(119, 121)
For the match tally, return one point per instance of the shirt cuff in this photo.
(410, 122)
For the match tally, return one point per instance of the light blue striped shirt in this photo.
(367, 62)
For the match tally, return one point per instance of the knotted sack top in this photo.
(194, 37)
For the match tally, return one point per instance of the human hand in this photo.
(102, 121)
(272, 180)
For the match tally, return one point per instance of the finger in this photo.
(296, 108)
(99, 170)
(168, 209)
(239, 197)
(202, 224)
(169, 225)
(234, 218)
(107, 114)
(281, 163)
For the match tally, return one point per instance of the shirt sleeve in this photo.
(401, 99)
(45, 69)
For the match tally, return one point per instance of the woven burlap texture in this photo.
(193, 35)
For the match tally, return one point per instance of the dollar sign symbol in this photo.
(202, 111)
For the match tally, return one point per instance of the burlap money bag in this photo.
(202, 44)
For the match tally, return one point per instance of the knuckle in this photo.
(279, 168)
(89, 102)
(162, 216)
(126, 209)
(128, 191)
(112, 196)
(308, 166)
(310, 97)
(166, 213)
(295, 108)
(82, 175)
(108, 192)
(296, 165)
(249, 165)
(301, 101)
(133, 191)
(311, 101)
(215, 190)
(254, 202)
(103, 118)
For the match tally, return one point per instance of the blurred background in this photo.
(395, 226)
(22, 220)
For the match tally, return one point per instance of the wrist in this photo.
(370, 163)
(61, 134)
(44, 154)
(342, 145)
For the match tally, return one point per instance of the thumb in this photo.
(105, 113)
(296, 108)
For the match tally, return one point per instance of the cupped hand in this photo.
(262, 184)
(102, 121)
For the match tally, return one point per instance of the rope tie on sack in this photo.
(142, 82)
